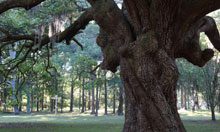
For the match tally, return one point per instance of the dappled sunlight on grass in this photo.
(198, 121)
(197, 115)
(60, 118)
(73, 117)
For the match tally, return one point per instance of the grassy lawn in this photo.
(194, 122)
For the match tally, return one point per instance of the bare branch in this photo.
(93, 70)
(78, 43)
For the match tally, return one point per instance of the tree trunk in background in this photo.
(80, 97)
(106, 95)
(28, 92)
(28, 103)
(193, 99)
(121, 101)
(32, 102)
(219, 102)
(85, 99)
(20, 99)
(97, 101)
(1, 94)
(185, 100)
(188, 99)
(197, 100)
(182, 97)
(80, 92)
(37, 101)
(42, 101)
(51, 105)
(5, 99)
(71, 95)
(89, 100)
(213, 112)
(83, 96)
(93, 95)
(62, 98)
(61, 105)
(13, 84)
(114, 103)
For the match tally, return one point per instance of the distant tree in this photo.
(211, 84)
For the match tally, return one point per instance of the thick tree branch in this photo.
(193, 10)
(4, 31)
(67, 34)
(115, 31)
(27, 4)
(211, 30)
(190, 49)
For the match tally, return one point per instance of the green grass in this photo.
(69, 128)
(194, 122)
(199, 126)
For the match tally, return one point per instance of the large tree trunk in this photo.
(154, 98)
(147, 63)
(144, 39)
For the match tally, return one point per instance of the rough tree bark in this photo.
(144, 39)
